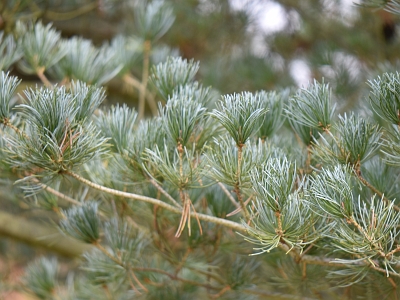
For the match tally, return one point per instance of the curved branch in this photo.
(207, 218)
(34, 234)
(145, 78)
(59, 194)
(374, 189)
(309, 259)
(62, 16)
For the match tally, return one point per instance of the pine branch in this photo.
(19, 228)
(309, 259)
(164, 192)
(275, 295)
(72, 14)
(365, 234)
(207, 218)
(145, 78)
(237, 183)
(59, 194)
(228, 194)
(220, 293)
(122, 264)
(324, 261)
(357, 173)
(175, 277)
(7, 122)
(42, 77)
(131, 80)
(63, 16)
(137, 280)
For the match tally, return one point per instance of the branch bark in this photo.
(18, 228)
(309, 259)
(207, 218)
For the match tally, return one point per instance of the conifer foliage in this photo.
(201, 199)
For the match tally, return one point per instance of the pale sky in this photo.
(269, 16)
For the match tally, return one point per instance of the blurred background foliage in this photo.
(241, 45)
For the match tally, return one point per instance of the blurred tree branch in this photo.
(18, 228)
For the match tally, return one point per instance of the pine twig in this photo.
(239, 209)
(145, 78)
(108, 254)
(174, 277)
(47, 237)
(203, 217)
(164, 192)
(274, 295)
(237, 184)
(182, 262)
(60, 195)
(220, 293)
(133, 81)
(63, 16)
(122, 264)
(7, 123)
(309, 259)
(357, 172)
(42, 77)
(230, 197)
(137, 280)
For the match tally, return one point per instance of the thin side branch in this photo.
(325, 261)
(223, 291)
(42, 77)
(137, 280)
(274, 295)
(21, 229)
(59, 194)
(237, 184)
(134, 82)
(365, 234)
(230, 197)
(145, 78)
(164, 192)
(62, 16)
(309, 259)
(373, 189)
(203, 217)
(7, 123)
(174, 277)
(121, 263)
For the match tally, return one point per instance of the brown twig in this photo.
(237, 184)
(308, 160)
(230, 197)
(309, 259)
(226, 223)
(145, 78)
(239, 209)
(397, 249)
(182, 262)
(221, 292)
(274, 295)
(62, 16)
(134, 82)
(59, 194)
(42, 77)
(174, 277)
(358, 174)
(122, 264)
(164, 192)
(207, 274)
(137, 280)
(6, 122)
